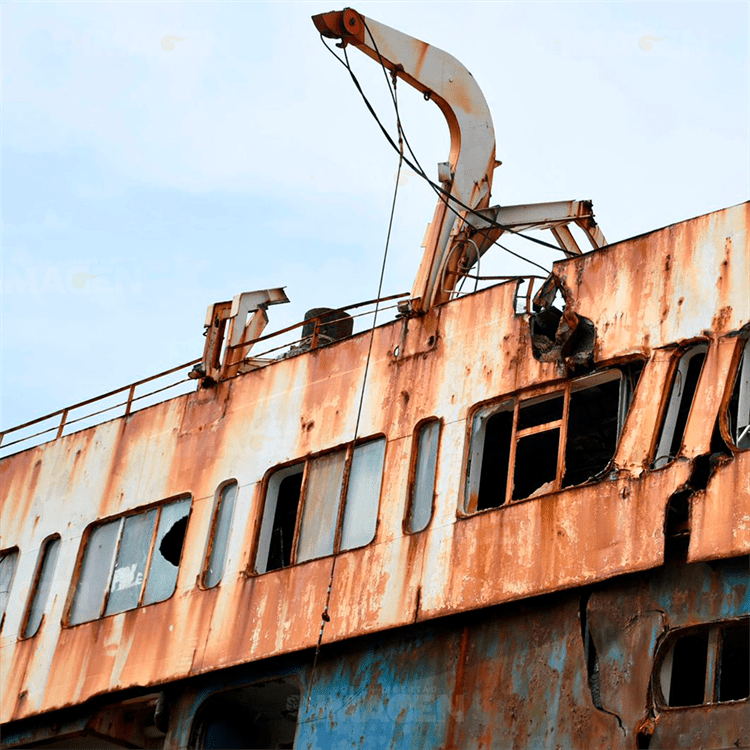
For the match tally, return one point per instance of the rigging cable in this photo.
(439, 191)
(325, 617)
(443, 194)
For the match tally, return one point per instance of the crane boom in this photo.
(471, 161)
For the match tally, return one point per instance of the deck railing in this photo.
(71, 415)
(136, 395)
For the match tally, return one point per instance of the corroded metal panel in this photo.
(548, 543)
(494, 681)
(666, 286)
(714, 381)
(720, 515)
(628, 621)
(516, 675)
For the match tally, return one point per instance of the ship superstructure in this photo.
(512, 518)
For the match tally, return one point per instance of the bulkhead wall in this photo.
(461, 354)
(570, 669)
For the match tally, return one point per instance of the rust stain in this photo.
(458, 697)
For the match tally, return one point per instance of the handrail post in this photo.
(63, 419)
(131, 393)
(316, 333)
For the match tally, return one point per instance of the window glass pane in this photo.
(537, 411)
(48, 558)
(680, 400)
(536, 464)
(739, 404)
(7, 568)
(734, 667)
(688, 679)
(130, 568)
(363, 494)
(279, 519)
(165, 559)
(321, 506)
(222, 524)
(95, 572)
(424, 476)
(592, 431)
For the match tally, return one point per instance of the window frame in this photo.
(14, 550)
(715, 632)
(412, 480)
(740, 363)
(514, 402)
(34, 588)
(251, 569)
(656, 460)
(210, 540)
(121, 517)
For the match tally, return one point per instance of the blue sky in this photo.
(245, 159)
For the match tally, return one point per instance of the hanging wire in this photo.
(325, 616)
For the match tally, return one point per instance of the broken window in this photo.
(424, 466)
(303, 508)
(130, 561)
(43, 578)
(218, 537)
(682, 390)
(257, 716)
(738, 409)
(279, 519)
(710, 664)
(523, 447)
(8, 560)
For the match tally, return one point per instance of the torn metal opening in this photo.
(560, 335)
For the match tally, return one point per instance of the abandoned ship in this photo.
(517, 517)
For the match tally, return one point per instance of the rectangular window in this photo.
(320, 506)
(130, 561)
(594, 424)
(707, 664)
(218, 538)
(688, 674)
(734, 663)
(524, 447)
(8, 559)
(283, 493)
(424, 466)
(43, 578)
(682, 391)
